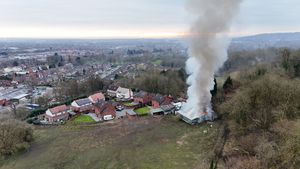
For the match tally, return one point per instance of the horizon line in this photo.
(180, 36)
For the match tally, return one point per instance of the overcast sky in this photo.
(132, 18)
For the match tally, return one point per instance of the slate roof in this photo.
(113, 88)
(102, 105)
(141, 94)
(159, 98)
(167, 107)
(82, 102)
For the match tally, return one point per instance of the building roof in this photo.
(167, 107)
(158, 110)
(59, 109)
(82, 102)
(97, 97)
(123, 90)
(189, 112)
(103, 105)
(113, 88)
(141, 94)
(159, 98)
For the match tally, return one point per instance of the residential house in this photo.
(112, 91)
(57, 114)
(142, 98)
(105, 109)
(82, 105)
(124, 93)
(97, 97)
(159, 100)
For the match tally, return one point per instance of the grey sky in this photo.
(132, 18)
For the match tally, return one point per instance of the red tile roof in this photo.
(97, 97)
(59, 109)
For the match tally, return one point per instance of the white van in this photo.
(108, 118)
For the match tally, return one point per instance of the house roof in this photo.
(167, 107)
(103, 105)
(123, 90)
(59, 109)
(159, 98)
(141, 94)
(113, 88)
(97, 97)
(82, 102)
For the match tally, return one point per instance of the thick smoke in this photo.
(207, 49)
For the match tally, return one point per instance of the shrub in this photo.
(15, 136)
(243, 162)
(264, 101)
(288, 155)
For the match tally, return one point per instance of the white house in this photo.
(112, 91)
(58, 113)
(124, 93)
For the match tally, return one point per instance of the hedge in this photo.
(40, 111)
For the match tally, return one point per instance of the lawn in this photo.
(84, 119)
(142, 111)
(129, 104)
(144, 143)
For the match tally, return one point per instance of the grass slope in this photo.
(146, 143)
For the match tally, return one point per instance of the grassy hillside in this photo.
(145, 143)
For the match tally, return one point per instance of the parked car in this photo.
(119, 108)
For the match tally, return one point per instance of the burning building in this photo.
(207, 53)
(189, 116)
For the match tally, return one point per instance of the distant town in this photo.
(94, 80)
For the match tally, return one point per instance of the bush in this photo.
(288, 155)
(243, 162)
(22, 113)
(15, 136)
(37, 112)
(40, 111)
(264, 101)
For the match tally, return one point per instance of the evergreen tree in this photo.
(228, 83)
(215, 90)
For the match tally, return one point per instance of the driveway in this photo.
(122, 113)
(93, 115)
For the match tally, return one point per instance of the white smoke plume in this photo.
(207, 49)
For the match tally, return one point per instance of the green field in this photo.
(164, 143)
(84, 119)
(142, 111)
